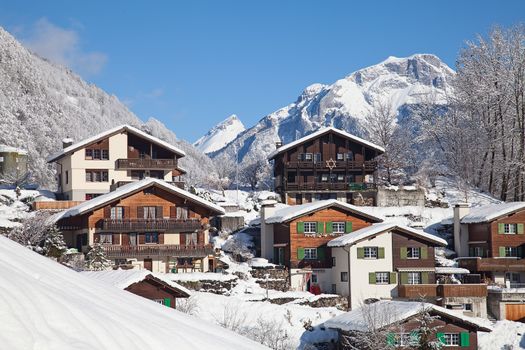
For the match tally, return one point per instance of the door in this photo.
(148, 264)
(515, 312)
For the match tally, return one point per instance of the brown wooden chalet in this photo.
(149, 223)
(327, 164)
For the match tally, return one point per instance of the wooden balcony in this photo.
(160, 224)
(146, 163)
(330, 186)
(162, 250)
(492, 264)
(113, 187)
(416, 291)
(351, 165)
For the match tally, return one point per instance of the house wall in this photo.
(150, 291)
(503, 240)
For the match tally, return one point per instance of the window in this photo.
(467, 307)
(151, 238)
(117, 212)
(182, 213)
(382, 278)
(89, 153)
(67, 177)
(370, 252)
(344, 276)
(413, 253)
(308, 156)
(451, 339)
(106, 238)
(334, 288)
(512, 277)
(97, 176)
(350, 156)
(414, 277)
(333, 261)
(90, 196)
(159, 301)
(338, 227)
(511, 251)
(318, 157)
(310, 253)
(406, 339)
(137, 174)
(105, 154)
(324, 177)
(150, 212)
(96, 154)
(340, 156)
(340, 177)
(313, 279)
(478, 251)
(310, 227)
(133, 239)
(510, 229)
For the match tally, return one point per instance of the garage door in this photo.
(515, 312)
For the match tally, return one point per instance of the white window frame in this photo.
(159, 301)
(117, 213)
(344, 276)
(452, 339)
(478, 252)
(370, 252)
(324, 177)
(338, 227)
(510, 229)
(308, 156)
(413, 277)
(310, 253)
(340, 177)
(106, 238)
(511, 252)
(403, 340)
(340, 156)
(382, 278)
(310, 227)
(413, 253)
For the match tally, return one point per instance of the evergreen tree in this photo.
(54, 245)
(427, 330)
(96, 259)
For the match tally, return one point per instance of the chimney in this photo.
(460, 235)
(67, 142)
(278, 144)
(267, 209)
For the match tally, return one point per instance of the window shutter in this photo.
(403, 255)
(441, 338)
(501, 251)
(391, 339)
(348, 227)
(142, 238)
(520, 252)
(320, 227)
(173, 211)
(424, 277)
(300, 227)
(393, 278)
(300, 253)
(360, 253)
(167, 302)
(380, 253)
(404, 277)
(471, 251)
(320, 253)
(116, 238)
(414, 337)
(140, 212)
(107, 211)
(372, 278)
(501, 228)
(161, 238)
(329, 227)
(424, 252)
(464, 338)
(520, 229)
(159, 212)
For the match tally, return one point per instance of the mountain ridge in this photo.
(220, 135)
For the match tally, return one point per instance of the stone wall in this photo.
(210, 286)
(395, 196)
(278, 277)
(497, 299)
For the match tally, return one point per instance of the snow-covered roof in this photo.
(129, 189)
(46, 305)
(356, 236)
(294, 211)
(110, 132)
(491, 212)
(9, 149)
(323, 131)
(449, 270)
(122, 279)
(385, 313)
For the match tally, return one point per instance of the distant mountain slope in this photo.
(220, 135)
(41, 103)
(344, 104)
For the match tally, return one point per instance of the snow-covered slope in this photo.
(42, 103)
(44, 305)
(400, 82)
(220, 135)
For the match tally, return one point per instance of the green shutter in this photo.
(403, 255)
(501, 228)
(393, 278)
(501, 251)
(167, 302)
(300, 253)
(320, 253)
(441, 338)
(423, 252)
(300, 227)
(464, 338)
(391, 339)
(320, 227)
(520, 229)
(424, 277)
(372, 278)
(470, 251)
(520, 252)
(404, 277)
(414, 337)
(380, 253)
(360, 253)
(329, 227)
(348, 227)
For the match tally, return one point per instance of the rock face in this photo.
(42, 103)
(401, 82)
(220, 135)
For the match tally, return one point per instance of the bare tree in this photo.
(224, 174)
(33, 231)
(254, 171)
(188, 305)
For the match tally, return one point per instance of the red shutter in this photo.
(173, 212)
(140, 212)
(116, 238)
(107, 211)
(159, 212)
(161, 238)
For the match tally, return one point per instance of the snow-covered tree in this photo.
(224, 174)
(54, 245)
(96, 259)
(33, 231)
(427, 330)
(254, 170)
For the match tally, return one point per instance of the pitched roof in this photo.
(122, 279)
(110, 132)
(323, 131)
(356, 236)
(129, 189)
(294, 211)
(491, 212)
(385, 313)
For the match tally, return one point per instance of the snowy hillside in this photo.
(47, 306)
(41, 103)
(220, 135)
(400, 82)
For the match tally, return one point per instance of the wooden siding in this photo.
(502, 240)
(147, 290)
(418, 291)
(399, 240)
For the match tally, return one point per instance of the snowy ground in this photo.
(13, 209)
(504, 335)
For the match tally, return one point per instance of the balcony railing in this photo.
(160, 224)
(163, 250)
(113, 187)
(492, 264)
(369, 165)
(146, 163)
(414, 291)
(335, 186)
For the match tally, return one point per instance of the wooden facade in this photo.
(157, 290)
(329, 166)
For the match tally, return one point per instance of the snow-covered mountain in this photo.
(401, 82)
(41, 103)
(220, 135)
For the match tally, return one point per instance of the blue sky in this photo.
(193, 63)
